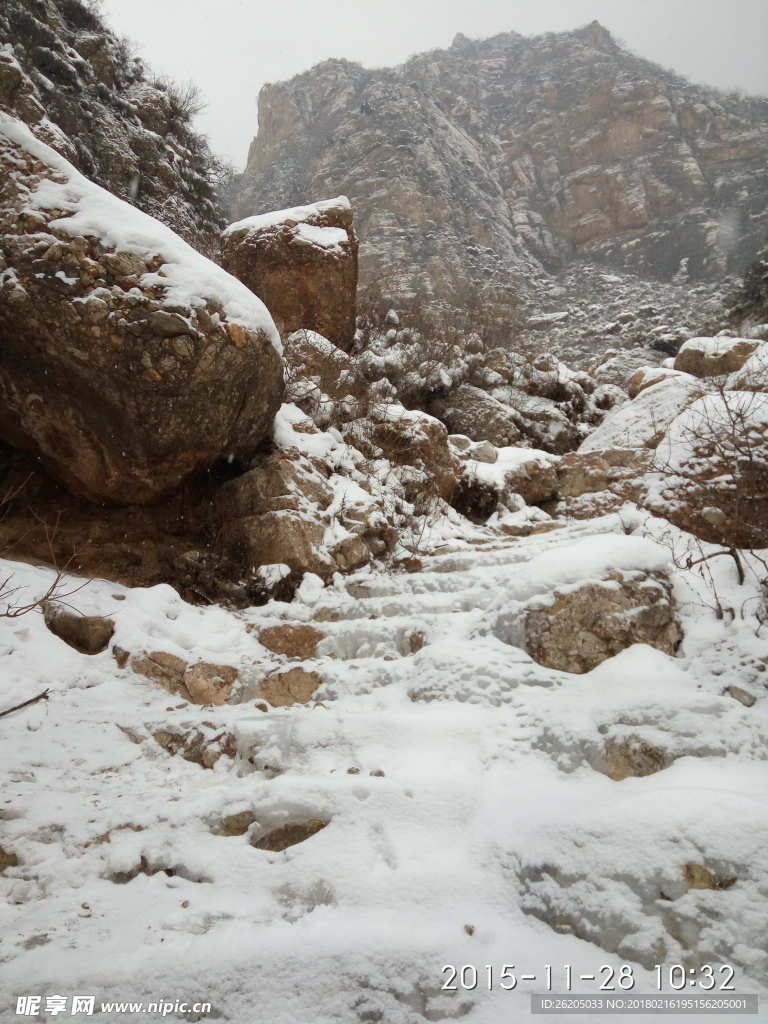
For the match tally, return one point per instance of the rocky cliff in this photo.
(491, 162)
(83, 92)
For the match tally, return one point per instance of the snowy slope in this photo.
(485, 836)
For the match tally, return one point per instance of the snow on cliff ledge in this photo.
(188, 277)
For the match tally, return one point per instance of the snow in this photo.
(296, 214)
(324, 238)
(641, 422)
(187, 277)
(490, 816)
(753, 376)
(511, 459)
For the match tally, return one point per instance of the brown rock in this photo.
(714, 357)
(237, 824)
(289, 835)
(647, 376)
(742, 696)
(412, 438)
(196, 746)
(7, 860)
(633, 758)
(89, 634)
(294, 686)
(121, 395)
(287, 474)
(303, 264)
(535, 480)
(469, 410)
(163, 668)
(293, 641)
(289, 537)
(698, 877)
(209, 684)
(575, 630)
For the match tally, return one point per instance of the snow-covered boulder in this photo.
(128, 361)
(753, 375)
(303, 263)
(647, 376)
(643, 422)
(714, 357)
(576, 610)
(710, 472)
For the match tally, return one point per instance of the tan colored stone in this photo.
(209, 684)
(163, 668)
(237, 824)
(294, 641)
(289, 835)
(577, 629)
(633, 758)
(294, 686)
(698, 877)
(89, 634)
(7, 860)
(714, 357)
(303, 267)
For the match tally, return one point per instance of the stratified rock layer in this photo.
(478, 165)
(128, 361)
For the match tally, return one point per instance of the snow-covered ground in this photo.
(468, 821)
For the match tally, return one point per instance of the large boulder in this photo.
(714, 357)
(471, 411)
(643, 422)
(303, 264)
(128, 361)
(574, 629)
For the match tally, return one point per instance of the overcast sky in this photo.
(230, 48)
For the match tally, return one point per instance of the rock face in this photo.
(128, 361)
(480, 416)
(476, 166)
(82, 91)
(302, 263)
(575, 630)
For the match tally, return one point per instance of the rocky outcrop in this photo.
(302, 263)
(577, 628)
(128, 361)
(82, 90)
(476, 166)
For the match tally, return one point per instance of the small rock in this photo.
(289, 835)
(353, 771)
(377, 773)
(742, 696)
(89, 634)
(237, 824)
(7, 860)
(469, 929)
(698, 877)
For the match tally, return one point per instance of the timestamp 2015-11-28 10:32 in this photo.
(677, 977)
